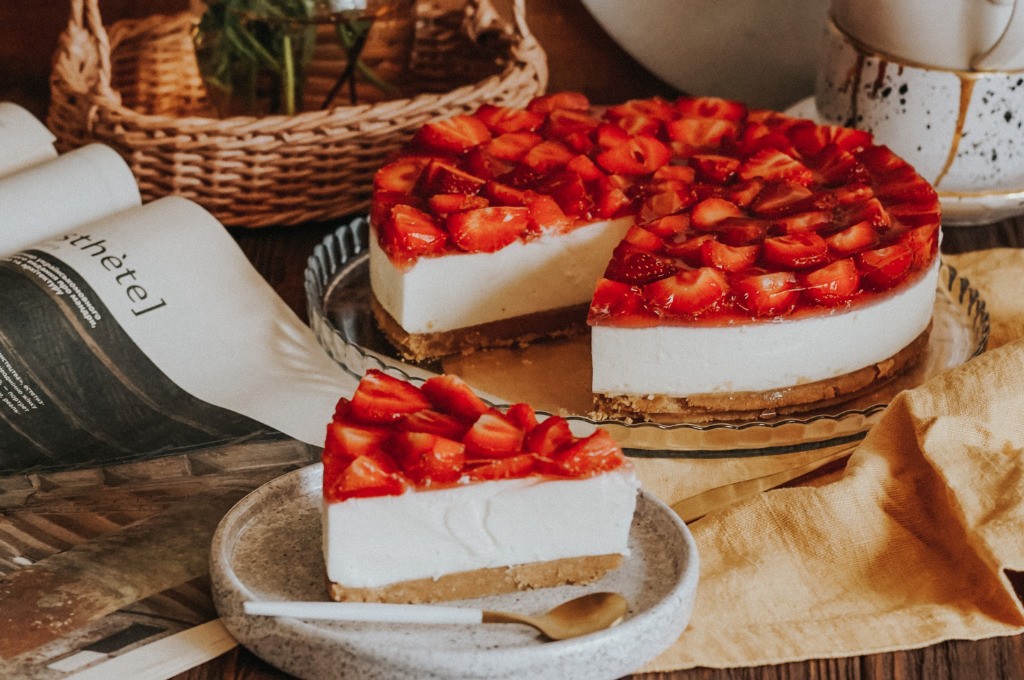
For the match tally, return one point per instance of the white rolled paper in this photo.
(24, 140)
(51, 197)
(366, 612)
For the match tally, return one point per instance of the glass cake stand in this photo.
(555, 376)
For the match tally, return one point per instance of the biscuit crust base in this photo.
(482, 582)
(753, 405)
(520, 330)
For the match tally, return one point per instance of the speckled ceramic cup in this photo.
(962, 130)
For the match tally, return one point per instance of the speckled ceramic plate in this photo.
(554, 376)
(268, 548)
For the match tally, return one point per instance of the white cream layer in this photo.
(455, 291)
(679, 360)
(373, 542)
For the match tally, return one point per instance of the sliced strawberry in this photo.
(480, 163)
(502, 468)
(574, 101)
(440, 177)
(502, 119)
(683, 174)
(503, 194)
(781, 198)
(591, 455)
(811, 139)
(385, 201)
(770, 294)
(523, 416)
(705, 134)
(714, 253)
(493, 435)
(574, 128)
(411, 233)
(548, 156)
(744, 192)
(641, 155)
(450, 394)
(688, 248)
(585, 168)
(711, 211)
(666, 202)
(689, 292)
(796, 251)
(435, 422)
(715, 168)
(610, 136)
(445, 204)
(486, 230)
(802, 221)
(711, 107)
(638, 268)
(741, 231)
(774, 164)
(655, 107)
(346, 441)
(366, 476)
(669, 225)
(512, 146)
(547, 215)
(853, 239)
(569, 191)
(641, 124)
(870, 211)
(457, 134)
(923, 242)
(849, 194)
(401, 175)
(426, 458)
(833, 166)
(621, 301)
(642, 239)
(883, 268)
(381, 398)
(548, 436)
(831, 285)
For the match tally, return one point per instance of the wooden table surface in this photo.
(582, 57)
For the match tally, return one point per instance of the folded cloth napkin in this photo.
(906, 547)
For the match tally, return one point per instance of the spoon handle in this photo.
(366, 611)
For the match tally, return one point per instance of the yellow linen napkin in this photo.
(908, 546)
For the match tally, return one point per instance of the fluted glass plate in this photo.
(555, 376)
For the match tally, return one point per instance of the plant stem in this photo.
(288, 78)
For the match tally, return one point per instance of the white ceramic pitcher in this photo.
(968, 35)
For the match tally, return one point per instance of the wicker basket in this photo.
(135, 86)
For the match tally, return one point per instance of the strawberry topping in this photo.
(766, 201)
(393, 436)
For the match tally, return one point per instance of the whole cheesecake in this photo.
(430, 494)
(730, 262)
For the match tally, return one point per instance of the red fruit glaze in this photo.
(393, 436)
(754, 195)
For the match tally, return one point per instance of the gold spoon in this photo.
(579, 616)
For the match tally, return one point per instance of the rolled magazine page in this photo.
(50, 197)
(24, 140)
(149, 332)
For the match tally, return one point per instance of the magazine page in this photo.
(52, 196)
(149, 332)
(24, 140)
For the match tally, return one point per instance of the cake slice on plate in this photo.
(430, 494)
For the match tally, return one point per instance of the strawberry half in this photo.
(457, 134)
(884, 267)
(502, 468)
(381, 398)
(426, 457)
(638, 268)
(689, 292)
(641, 155)
(486, 230)
(796, 251)
(450, 394)
(771, 294)
(493, 435)
(832, 284)
(548, 436)
(368, 475)
(502, 119)
(590, 455)
(410, 233)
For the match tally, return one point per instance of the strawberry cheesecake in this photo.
(730, 262)
(430, 494)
